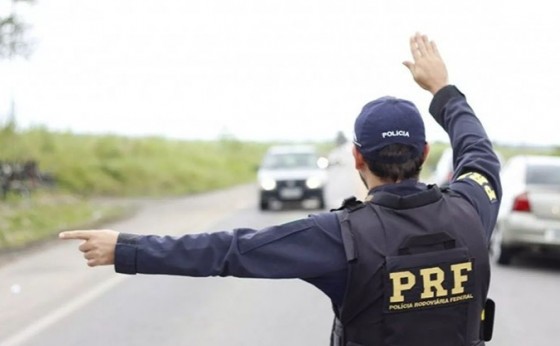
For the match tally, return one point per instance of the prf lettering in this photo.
(432, 279)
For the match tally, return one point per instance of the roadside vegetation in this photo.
(111, 165)
(31, 219)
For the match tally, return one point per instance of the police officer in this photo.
(408, 266)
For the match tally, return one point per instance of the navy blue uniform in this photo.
(311, 248)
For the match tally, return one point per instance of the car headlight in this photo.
(268, 184)
(314, 182)
(322, 162)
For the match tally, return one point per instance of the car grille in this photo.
(290, 183)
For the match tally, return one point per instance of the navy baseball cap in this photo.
(389, 120)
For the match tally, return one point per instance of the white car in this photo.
(292, 173)
(529, 217)
(444, 168)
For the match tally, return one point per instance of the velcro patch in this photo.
(483, 182)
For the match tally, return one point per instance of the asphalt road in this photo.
(48, 296)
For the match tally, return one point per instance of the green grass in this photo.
(120, 166)
(25, 220)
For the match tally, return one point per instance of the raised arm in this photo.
(428, 68)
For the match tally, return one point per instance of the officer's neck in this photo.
(372, 181)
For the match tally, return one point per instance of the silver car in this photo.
(529, 217)
(292, 173)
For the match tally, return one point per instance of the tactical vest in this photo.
(418, 271)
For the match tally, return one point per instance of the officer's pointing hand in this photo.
(428, 68)
(98, 246)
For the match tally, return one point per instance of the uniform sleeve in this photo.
(476, 167)
(307, 248)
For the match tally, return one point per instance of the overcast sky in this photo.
(282, 70)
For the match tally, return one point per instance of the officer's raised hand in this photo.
(98, 246)
(428, 68)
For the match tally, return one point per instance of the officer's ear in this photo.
(426, 152)
(359, 162)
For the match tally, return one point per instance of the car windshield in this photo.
(543, 174)
(290, 160)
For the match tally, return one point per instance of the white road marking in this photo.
(38, 326)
